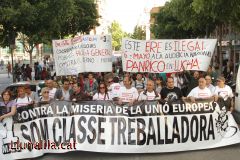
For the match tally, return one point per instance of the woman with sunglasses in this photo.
(7, 106)
(45, 95)
(102, 93)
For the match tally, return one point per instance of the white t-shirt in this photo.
(148, 96)
(115, 90)
(200, 93)
(52, 92)
(99, 96)
(20, 102)
(225, 92)
(128, 95)
(66, 95)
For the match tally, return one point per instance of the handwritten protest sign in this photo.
(158, 56)
(83, 54)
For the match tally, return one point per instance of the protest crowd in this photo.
(165, 91)
(122, 87)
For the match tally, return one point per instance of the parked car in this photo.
(35, 86)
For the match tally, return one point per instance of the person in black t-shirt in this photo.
(170, 92)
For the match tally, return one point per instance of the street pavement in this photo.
(4, 80)
(224, 153)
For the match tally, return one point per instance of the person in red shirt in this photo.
(44, 73)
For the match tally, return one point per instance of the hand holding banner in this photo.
(102, 126)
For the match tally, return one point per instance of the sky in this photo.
(129, 12)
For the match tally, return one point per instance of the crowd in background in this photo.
(25, 72)
(121, 87)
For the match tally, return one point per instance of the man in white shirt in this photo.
(149, 93)
(128, 94)
(65, 92)
(223, 91)
(52, 90)
(200, 92)
(114, 88)
(209, 83)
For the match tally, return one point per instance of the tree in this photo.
(117, 35)
(196, 18)
(200, 24)
(178, 19)
(167, 26)
(139, 33)
(40, 21)
(222, 12)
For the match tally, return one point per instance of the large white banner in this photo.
(88, 53)
(157, 56)
(102, 126)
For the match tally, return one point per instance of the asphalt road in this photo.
(4, 81)
(224, 153)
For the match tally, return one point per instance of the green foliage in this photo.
(167, 26)
(40, 21)
(220, 11)
(195, 18)
(139, 33)
(117, 35)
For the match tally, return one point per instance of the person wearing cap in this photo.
(200, 92)
(223, 91)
